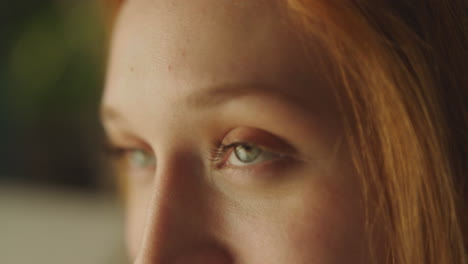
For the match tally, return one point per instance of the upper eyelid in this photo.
(260, 138)
(126, 141)
(121, 137)
(252, 136)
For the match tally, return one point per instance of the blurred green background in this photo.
(51, 72)
(56, 198)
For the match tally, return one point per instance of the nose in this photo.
(204, 255)
(181, 222)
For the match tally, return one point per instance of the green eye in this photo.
(142, 159)
(246, 153)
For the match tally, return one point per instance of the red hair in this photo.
(402, 84)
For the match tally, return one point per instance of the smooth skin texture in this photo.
(187, 76)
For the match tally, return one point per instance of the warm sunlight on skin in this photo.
(230, 141)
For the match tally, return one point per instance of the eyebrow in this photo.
(215, 96)
(221, 94)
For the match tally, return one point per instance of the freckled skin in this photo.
(163, 51)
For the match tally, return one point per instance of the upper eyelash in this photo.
(109, 149)
(113, 151)
(219, 151)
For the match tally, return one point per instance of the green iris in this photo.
(246, 153)
(142, 159)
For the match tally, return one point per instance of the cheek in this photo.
(330, 233)
(323, 226)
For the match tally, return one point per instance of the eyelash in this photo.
(114, 152)
(219, 151)
(117, 153)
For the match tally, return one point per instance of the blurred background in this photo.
(57, 198)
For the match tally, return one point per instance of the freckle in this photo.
(169, 67)
(184, 54)
(132, 69)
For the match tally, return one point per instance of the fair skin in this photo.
(187, 76)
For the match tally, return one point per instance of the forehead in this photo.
(164, 50)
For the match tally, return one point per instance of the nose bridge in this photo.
(174, 218)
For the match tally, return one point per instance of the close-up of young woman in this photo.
(291, 131)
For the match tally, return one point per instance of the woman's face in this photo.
(229, 138)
